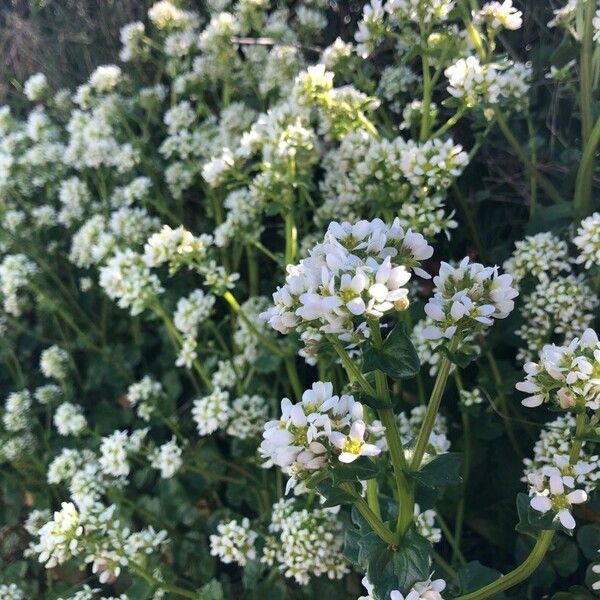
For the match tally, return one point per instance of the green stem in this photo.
(370, 517)
(580, 423)
(450, 538)
(373, 496)
(522, 572)
(177, 338)
(392, 435)
(351, 366)
(291, 237)
(432, 410)
(583, 184)
(583, 192)
(451, 122)
(427, 93)
(237, 309)
(292, 372)
(544, 183)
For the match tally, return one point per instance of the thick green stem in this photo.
(291, 237)
(585, 174)
(522, 572)
(583, 184)
(373, 497)
(544, 183)
(451, 122)
(388, 419)
(577, 443)
(430, 414)
(370, 517)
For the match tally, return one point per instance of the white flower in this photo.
(468, 298)
(587, 239)
(211, 412)
(353, 444)
(69, 419)
(36, 87)
(105, 78)
(234, 542)
(167, 459)
(549, 494)
(499, 15)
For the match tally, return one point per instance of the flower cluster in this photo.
(468, 297)
(358, 272)
(316, 431)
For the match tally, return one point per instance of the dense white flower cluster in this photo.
(543, 255)
(549, 312)
(248, 416)
(567, 377)
(127, 279)
(211, 412)
(144, 396)
(69, 419)
(468, 297)
(16, 271)
(54, 362)
(167, 459)
(234, 542)
(304, 544)
(319, 429)
(475, 83)
(551, 491)
(499, 15)
(98, 537)
(114, 450)
(11, 592)
(587, 241)
(216, 146)
(359, 271)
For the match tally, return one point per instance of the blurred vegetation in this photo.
(64, 39)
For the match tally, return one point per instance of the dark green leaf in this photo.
(398, 568)
(334, 495)
(443, 470)
(361, 469)
(474, 576)
(588, 538)
(397, 358)
(212, 591)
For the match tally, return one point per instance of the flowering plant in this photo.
(281, 319)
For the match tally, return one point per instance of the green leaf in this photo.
(588, 538)
(564, 556)
(397, 358)
(473, 576)
(398, 568)
(441, 471)
(140, 590)
(531, 521)
(361, 469)
(211, 591)
(334, 495)
(460, 359)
